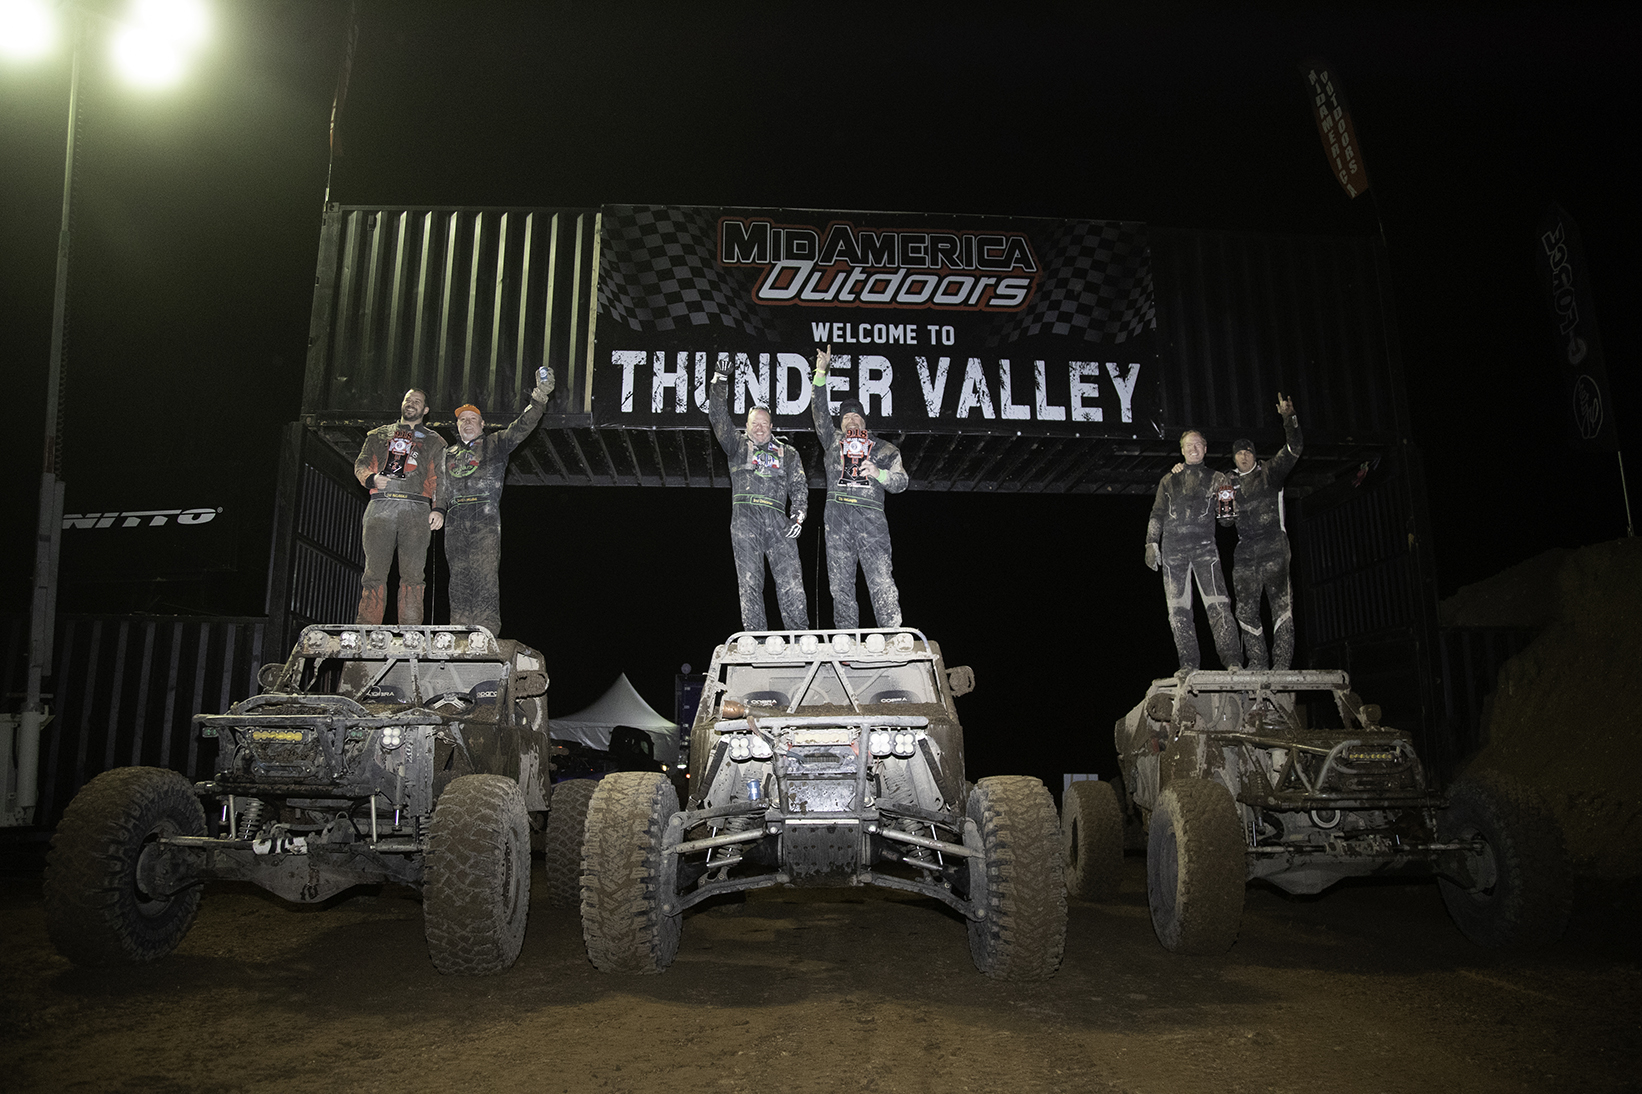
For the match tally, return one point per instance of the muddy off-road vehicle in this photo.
(1289, 777)
(375, 754)
(825, 759)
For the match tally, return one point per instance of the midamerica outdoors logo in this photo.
(847, 266)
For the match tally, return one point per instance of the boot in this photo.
(372, 599)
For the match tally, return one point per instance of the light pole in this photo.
(158, 33)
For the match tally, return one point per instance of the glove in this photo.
(545, 382)
(721, 369)
(1151, 556)
(796, 526)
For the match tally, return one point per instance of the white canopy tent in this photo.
(621, 705)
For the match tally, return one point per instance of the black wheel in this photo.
(1018, 881)
(112, 893)
(566, 823)
(1196, 867)
(476, 894)
(1515, 890)
(1091, 840)
(626, 921)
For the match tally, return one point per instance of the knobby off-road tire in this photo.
(1196, 866)
(1091, 840)
(623, 923)
(566, 824)
(476, 893)
(97, 909)
(1023, 935)
(1522, 893)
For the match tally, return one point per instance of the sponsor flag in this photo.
(1333, 118)
(1587, 407)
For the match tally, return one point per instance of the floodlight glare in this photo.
(146, 57)
(27, 29)
(183, 22)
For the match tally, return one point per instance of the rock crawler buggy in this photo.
(375, 754)
(1289, 777)
(825, 759)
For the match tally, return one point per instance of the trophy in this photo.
(857, 450)
(398, 453)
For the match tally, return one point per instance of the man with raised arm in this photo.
(860, 469)
(766, 480)
(1261, 562)
(1180, 541)
(399, 463)
(470, 491)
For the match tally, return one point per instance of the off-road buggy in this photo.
(1288, 776)
(825, 759)
(375, 754)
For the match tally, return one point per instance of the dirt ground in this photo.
(1366, 988)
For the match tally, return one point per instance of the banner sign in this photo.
(1333, 118)
(938, 324)
(1560, 258)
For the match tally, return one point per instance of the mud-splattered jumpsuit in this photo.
(1182, 527)
(857, 530)
(764, 480)
(471, 492)
(1261, 562)
(396, 518)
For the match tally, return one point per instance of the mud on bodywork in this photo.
(329, 778)
(1323, 790)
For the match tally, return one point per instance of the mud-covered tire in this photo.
(1018, 879)
(98, 911)
(625, 923)
(1196, 867)
(1520, 891)
(476, 892)
(562, 843)
(1091, 840)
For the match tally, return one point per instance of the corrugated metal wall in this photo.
(125, 690)
(317, 557)
(463, 303)
(1243, 316)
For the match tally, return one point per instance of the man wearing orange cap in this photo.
(399, 464)
(470, 490)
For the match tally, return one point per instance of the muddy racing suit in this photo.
(764, 480)
(396, 518)
(1181, 531)
(1261, 562)
(470, 491)
(857, 530)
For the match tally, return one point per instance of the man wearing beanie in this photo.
(766, 478)
(399, 464)
(861, 469)
(470, 491)
(1180, 541)
(1261, 561)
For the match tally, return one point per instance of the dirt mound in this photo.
(1567, 715)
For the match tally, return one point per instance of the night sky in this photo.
(197, 223)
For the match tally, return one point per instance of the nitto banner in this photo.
(1588, 409)
(938, 324)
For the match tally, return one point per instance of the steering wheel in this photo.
(461, 700)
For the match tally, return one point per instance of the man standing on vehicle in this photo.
(860, 469)
(1180, 541)
(1261, 562)
(766, 478)
(470, 491)
(399, 464)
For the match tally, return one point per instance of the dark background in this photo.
(197, 222)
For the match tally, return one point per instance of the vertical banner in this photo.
(1588, 408)
(1333, 118)
(938, 324)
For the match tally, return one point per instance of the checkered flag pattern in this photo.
(1097, 283)
(656, 273)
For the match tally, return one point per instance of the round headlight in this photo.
(444, 641)
(775, 645)
(875, 643)
(746, 645)
(350, 640)
(841, 643)
(903, 642)
(808, 644)
(379, 640)
(413, 640)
